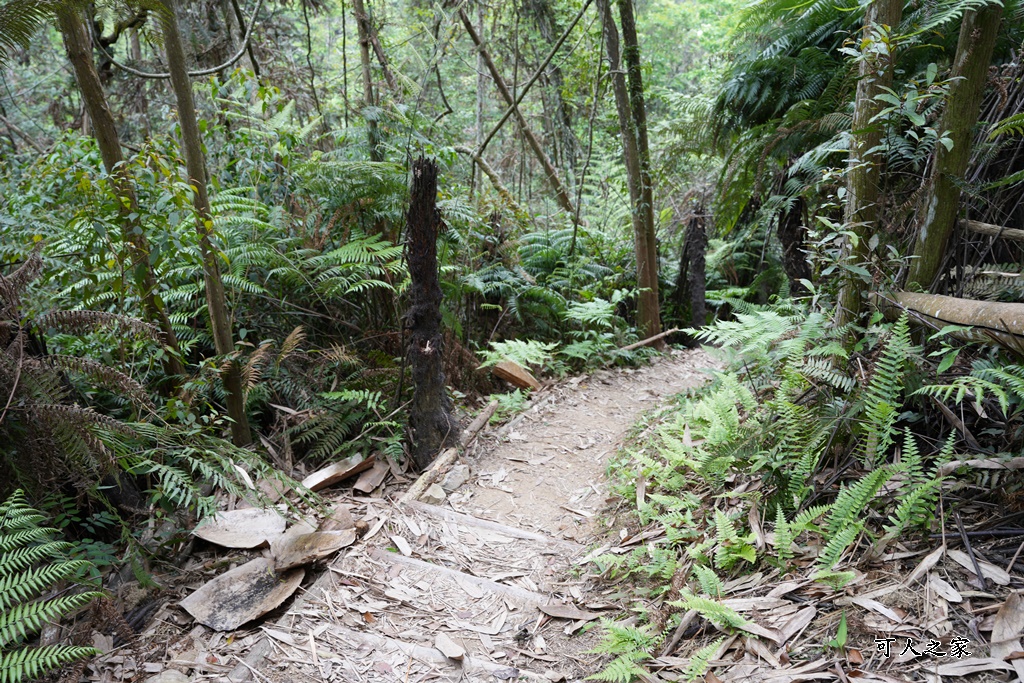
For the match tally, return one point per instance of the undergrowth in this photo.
(798, 457)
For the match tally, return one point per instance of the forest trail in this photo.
(470, 575)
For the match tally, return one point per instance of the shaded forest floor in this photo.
(493, 582)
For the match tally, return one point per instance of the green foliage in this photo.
(525, 352)
(630, 645)
(33, 563)
(698, 665)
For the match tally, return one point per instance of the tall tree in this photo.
(79, 51)
(630, 106)
(863, 190)
(978, 34)
(195, 162)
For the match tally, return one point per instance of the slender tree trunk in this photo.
(561, 194)
(863, 191)
(431, 423)
(369, 99)
(978, 34)
(646, 242)
(195, 162)
(629, 104)
(79, 50)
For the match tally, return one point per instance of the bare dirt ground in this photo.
(485, 585)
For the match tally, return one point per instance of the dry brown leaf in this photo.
(243, 528)
(241, 595)
(874, 606)
(972, 665)
(372, 478)
(797, 623)
(448, 647)
(568, 612)
(1007, 629)
(759, 650)
(339, 519)
(473, 590)
(303, 549)
(762, 604)
(925, 566)
(339, 471)
(402, 545)
(993, 573)
(942, 588)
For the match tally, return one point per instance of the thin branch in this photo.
(440, 89)
(21, 134)
(533, 79)
(204, 72)
(248, 46)
(309, 58)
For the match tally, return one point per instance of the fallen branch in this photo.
(448, 456)
(994, 230)
(649, 340)
(990, 321)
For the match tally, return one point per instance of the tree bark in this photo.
(863, 190)
(561, 194)
(79, 51)
(431, 424)
(978, 34)
(629, 104)
(195, 162)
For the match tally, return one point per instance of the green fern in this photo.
(698, 665)
(720, 615)
(32, 564)
(882, 398)
(710, 584)
(730, 547)
(630, 644)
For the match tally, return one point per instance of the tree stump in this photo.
(431, 425)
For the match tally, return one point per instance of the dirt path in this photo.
(453, 591)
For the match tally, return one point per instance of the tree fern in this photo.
(33, 563)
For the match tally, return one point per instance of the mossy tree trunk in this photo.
(978, 34)
(863, 181)
(629, 104)
(79, 50)
(195, 162)
(431, 424)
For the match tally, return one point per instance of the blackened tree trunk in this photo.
(431, 424)
(793, 237)
(691, 285)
